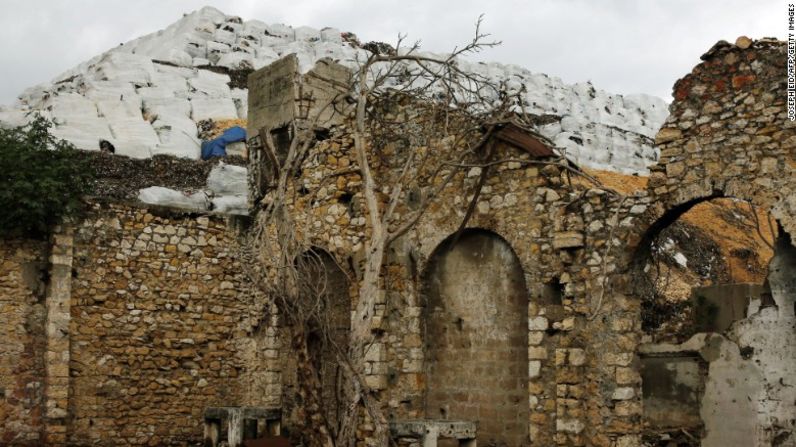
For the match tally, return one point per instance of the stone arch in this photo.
(537, 275)
(663, 215)
(728, 135)
(476, 336)
(646, 234)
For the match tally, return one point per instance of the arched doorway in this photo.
(477, 337)
(325, 297)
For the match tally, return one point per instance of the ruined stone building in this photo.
(125, 326)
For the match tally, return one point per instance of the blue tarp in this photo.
(218, 146)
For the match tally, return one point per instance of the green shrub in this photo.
(42, 179)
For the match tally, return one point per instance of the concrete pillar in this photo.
(56, 365)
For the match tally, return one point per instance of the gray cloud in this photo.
(623, 46)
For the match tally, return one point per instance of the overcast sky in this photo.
(623, 46)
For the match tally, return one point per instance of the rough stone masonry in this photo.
(124, 326)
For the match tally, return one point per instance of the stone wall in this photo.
(575, 242)
(558, 228)
(747, 397)
(744, 396)
(152, 320)
(280, 94)
(23, 270)
(728, 135)
(160, 309)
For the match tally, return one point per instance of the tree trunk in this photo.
(361, 338)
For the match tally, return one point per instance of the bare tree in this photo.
(454, 114)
